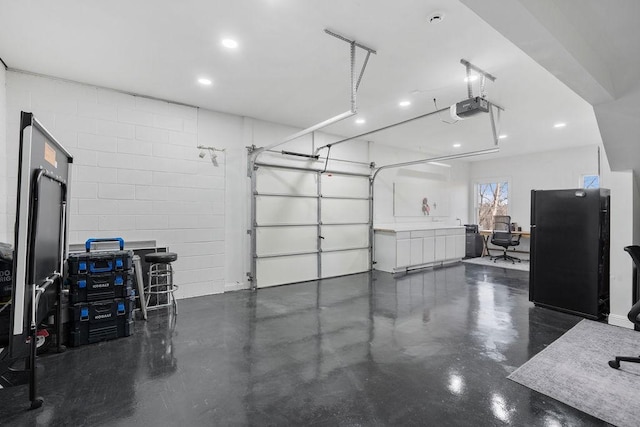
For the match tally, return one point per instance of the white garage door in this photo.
(308, 225)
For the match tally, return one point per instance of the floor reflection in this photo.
(428, 348)
(158, 350)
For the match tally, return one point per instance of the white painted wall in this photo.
(136, 172)
(454, 179)
(4, 232)
(226, 131)
(636, 239)
(636, 208)
(623, 198)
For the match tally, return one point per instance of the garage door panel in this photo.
(286, 210)
(286, 235)
(345, 211)
(344, 236)
(286, 240)
(344, 185)
(345, 262)
(289, 269)
(282, 181)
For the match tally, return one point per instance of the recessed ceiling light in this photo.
(503, 136)
(361, 121)
(229, 43)
(471, 79)
(457, 145)
(204, 81)
(559, 125)
(404, 103)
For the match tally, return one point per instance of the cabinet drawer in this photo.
(403, 235)
(422, 233)
(450, 231)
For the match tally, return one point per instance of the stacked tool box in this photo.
(6, 267)
(101, 295)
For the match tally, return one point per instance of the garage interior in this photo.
(312, 168)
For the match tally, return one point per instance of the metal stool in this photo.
(160, 280)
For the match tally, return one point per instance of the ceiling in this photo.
(287, 70)
(592, 47)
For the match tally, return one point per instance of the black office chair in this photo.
(502, 237)
(634, 313)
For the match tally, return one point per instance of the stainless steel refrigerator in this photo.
(569, 268)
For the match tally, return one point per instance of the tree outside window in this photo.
(493, 199)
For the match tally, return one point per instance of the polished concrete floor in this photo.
(431, 348)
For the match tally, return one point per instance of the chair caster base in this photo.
(615, 364)
(36, 403)
(508, 258)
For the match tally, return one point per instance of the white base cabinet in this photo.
(396, 250)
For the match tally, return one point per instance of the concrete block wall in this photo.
(136, 172)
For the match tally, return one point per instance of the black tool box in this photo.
(6, 284)
(99, 286)
(6, 268)
(101, 320)
(4, 324)
(101, 294)
(100, 262)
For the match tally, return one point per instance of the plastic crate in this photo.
(99, 262)
(4, 325)
(6, 268)
(100, 286)
(92, 322)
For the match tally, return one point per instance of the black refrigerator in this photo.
(569, 268)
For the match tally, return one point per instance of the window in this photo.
(492, 199)
(590, 181)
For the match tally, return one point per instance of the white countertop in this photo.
(414, 227)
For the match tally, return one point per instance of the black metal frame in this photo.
(55, 278)
(23, 339)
